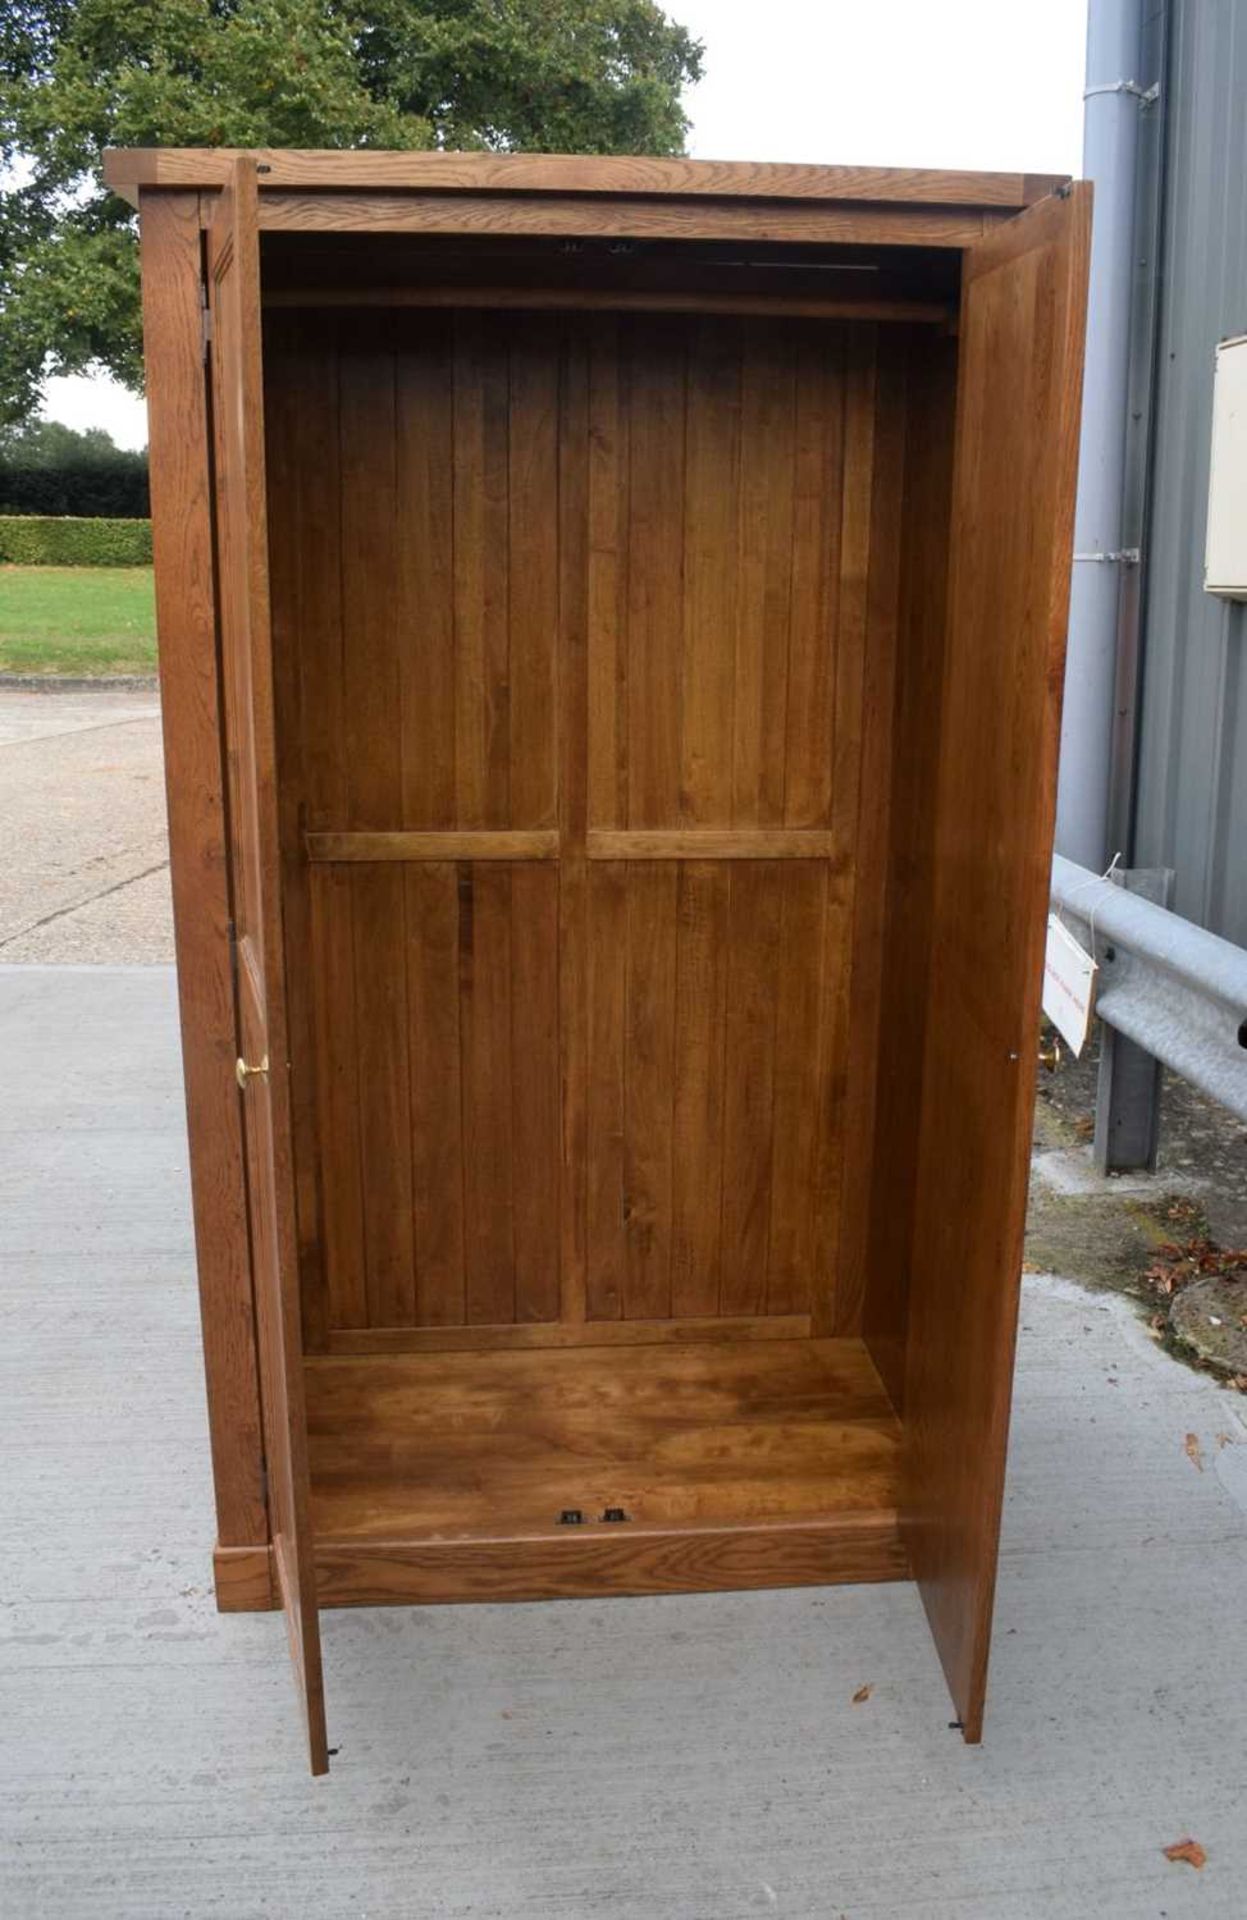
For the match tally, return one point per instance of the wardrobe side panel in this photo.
(191, 720)
(1015, 465)
(887, 1198)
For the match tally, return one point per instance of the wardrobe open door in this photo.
(1015, 466)
(233, 264)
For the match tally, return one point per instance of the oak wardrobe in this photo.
(611, 621)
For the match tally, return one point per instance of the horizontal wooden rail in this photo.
(713, 843)
(126, 169)
(554, 216)
(620, 300)
(485, 843)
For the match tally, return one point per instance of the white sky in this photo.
(902, 83)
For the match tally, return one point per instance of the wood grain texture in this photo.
(498, 1444)
(247, 672)
(126, 168)
(695, 1330)
(479, 843)
(244, 1580)
(874, 593)
(1012, 521)
(552, 216)
(592, 1563)
(190, 708)
(848, 306)
(906, 942)
(667, 670)
(712, 843)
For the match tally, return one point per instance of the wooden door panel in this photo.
(243, 588)
(709, 1085)
(425, 691)
(436, 987)
(1015, 460)
(717, 565)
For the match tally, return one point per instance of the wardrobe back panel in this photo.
(599, 600)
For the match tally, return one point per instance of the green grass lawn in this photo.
(77, 620)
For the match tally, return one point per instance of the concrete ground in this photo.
(694, 1758)
(84, 860)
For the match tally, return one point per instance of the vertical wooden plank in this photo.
(753, 948)
(425, 471)
(649, 1039)
(495, 562)
(332, 955)
(764, 600)
(1022, 315)
(871, 837)
(608, 564)
(535, 1089)
(656, 411)
(820, 481)
(605, 1198)
(532, 502)
(485, 984)
(384, 1093)
(842, 790)
(797, 1093)
(432, 906)
(283, 387)
(481, 571)
(699, 1075)
(318, 590)
(468, 480)
(190, 708)
(712, 479)
(306, 591)
(242, 563)
(574, 454)
(911, 864)
(372, 697)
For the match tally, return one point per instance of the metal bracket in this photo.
(1146, 96)
(1120, 556)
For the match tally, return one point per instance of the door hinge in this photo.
(205, 323)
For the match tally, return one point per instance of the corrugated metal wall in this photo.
(1191, 795)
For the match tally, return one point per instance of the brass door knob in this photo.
(1050, 1057)
(243, 1072)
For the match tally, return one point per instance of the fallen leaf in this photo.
(1028, 1266)
(1193, 1451)
(862, 1694)
(1188, 1850)
(1224, 1440)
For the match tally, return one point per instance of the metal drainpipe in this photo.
(1114, 97)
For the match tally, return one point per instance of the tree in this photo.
(47, 468)
(590, 76)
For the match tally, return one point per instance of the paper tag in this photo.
(1068, 985)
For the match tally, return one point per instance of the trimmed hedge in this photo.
(28, 541)
(47, 468)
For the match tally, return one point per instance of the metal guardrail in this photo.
(1173, 988)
